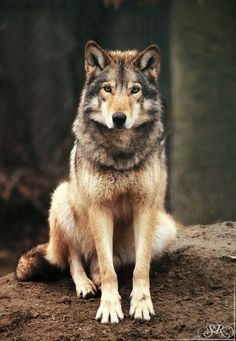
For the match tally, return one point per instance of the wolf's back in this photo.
(34, 266)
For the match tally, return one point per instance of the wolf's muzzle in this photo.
(119, 119)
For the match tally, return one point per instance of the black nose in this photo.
(119, 119)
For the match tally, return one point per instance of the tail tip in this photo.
(34, 266)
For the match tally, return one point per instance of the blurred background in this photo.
(41, 75)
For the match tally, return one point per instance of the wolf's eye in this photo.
(107, 88)
(134, 90)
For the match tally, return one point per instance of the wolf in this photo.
(110, 212)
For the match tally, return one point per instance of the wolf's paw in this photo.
(141, 307)
(110, 311)
(85, 288)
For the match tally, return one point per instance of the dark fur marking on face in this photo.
(94, 86)
(102, 129)
(149, 89)
(140, 100)
(146, 127)
(121, 73)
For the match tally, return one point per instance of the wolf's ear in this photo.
(95, 57)
(148, 61)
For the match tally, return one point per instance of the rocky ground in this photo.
(192, 289)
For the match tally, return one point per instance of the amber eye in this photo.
(107, 88)
(134, 90)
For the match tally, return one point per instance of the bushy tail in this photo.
(33, 266)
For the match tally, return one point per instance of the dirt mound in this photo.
(192, 289)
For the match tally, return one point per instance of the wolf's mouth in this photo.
(122, 127)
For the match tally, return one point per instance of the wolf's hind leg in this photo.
(61, 249)
(84, 286)
(95, 272)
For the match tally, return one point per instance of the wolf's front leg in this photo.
(101, 223)
(141, 306)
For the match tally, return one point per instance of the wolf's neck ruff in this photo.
(108, 149)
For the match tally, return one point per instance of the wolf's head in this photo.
(121, 87)
(118, 123)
